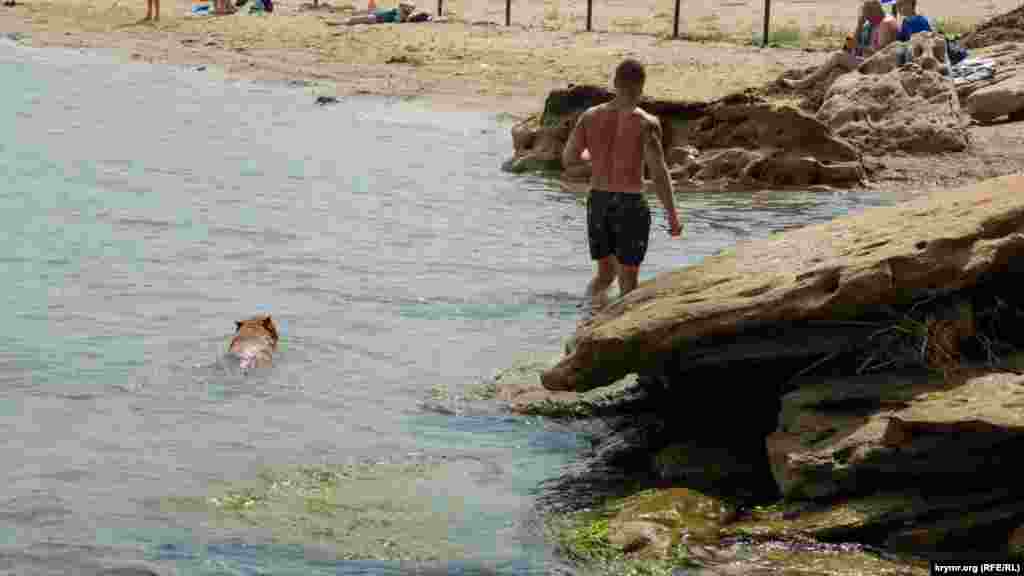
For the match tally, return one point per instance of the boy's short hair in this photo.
(630, 72)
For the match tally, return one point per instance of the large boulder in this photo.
(839, 270)
(738, 141)
(648, 524)
(538, 147)
(1004, 98)
(1003, 62)
(845, 436)
(909, 109)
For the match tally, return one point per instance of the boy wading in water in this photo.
(620, 138)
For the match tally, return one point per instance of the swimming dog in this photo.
(255, 342)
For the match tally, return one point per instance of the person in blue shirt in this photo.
(394, 15)
(912, 21)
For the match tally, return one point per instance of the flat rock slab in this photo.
(520, 390)
(853, 518)
(1005, 98)
(944, 241)
(834, 437)
(992, 402)
(1007, 62)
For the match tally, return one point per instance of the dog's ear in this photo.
(238, 325)
(269, 325)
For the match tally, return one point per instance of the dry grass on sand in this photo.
(470, 57)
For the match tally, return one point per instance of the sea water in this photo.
(144, 209)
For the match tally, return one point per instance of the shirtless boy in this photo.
(620, 138)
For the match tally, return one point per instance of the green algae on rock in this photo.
(519, 388)
(366, 511)
(835, 271)
(627, 536)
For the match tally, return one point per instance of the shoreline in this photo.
(453, 64)
(995, 150)
(459, 65)
(228, 66)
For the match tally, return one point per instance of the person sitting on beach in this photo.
(223, 7)
(912, 21)
(876, 31)
(399, 14)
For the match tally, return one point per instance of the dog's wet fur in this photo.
(255, 342)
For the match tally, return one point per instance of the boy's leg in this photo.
(628, 278)
(842, 60)
(600, 240)
(633, 234)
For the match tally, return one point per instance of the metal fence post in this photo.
(439, 8)
(675, 22)
(508, 12)
(767, 16)
(590, 10)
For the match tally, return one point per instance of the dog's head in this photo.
(257, 325)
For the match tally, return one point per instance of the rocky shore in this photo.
(843, 398)
(882, 125)
(856, 383)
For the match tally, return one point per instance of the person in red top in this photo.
(620, 137)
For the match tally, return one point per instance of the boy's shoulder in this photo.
(646, 117)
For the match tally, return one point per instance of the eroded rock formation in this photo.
(868, 367)
(740, 141)
(910, 109)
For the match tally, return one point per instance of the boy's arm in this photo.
(654, 156)
(576, 144)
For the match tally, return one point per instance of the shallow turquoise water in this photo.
(144, 209)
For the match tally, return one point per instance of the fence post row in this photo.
(590, 13)
(675, 22)
(767, 14)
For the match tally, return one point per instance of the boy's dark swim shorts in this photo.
(618, 223)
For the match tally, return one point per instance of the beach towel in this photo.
(955, 51)
(973, 70)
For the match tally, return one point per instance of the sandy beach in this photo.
(469, 58)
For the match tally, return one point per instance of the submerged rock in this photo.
(650, 523)
(519, 388)
(837, 271)
(680, 531)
